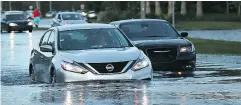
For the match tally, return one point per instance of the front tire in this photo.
(32, 75)
(31, 30)
(52, 78)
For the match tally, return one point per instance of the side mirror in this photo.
(58, 20)
(46, 48)
(184, 34)
(4, 20)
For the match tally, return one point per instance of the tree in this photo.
(227, 11)
(183, 8)
(158, 11)
(143, 16)
(199, 9)
(169, 14)
(148, 9)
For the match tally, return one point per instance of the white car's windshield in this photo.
(92, 39)
(148, 29)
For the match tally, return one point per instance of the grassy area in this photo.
(40, 28)
(207, 25)
(207, 46)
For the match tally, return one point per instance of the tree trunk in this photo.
(158, 11)
(169, 14)
(50, 5)
(10, 6)
(199, 9)
(183, 8)
(143, 16)
(239, 9)
(148, 9)
(227, 7)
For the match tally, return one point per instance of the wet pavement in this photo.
(217, 81)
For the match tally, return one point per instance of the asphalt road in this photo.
(216, 82)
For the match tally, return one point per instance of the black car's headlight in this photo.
(187, 49)
(30, 23)
(141, 63)
(13, 24)
(73, 67)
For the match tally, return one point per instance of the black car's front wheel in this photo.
(9, 30)
(31, 30)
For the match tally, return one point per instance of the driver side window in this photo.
(59, 17)
(44, 39)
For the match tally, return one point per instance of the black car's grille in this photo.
(101, 67)
(21, 24)
(162, 54)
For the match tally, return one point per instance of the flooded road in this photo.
(217, 81)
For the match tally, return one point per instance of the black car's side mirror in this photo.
(46, 48)
(4, 20)
(184, 34)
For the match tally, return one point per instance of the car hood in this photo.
(17, 21)
(102, 55)
(160, 42)
(74, 21)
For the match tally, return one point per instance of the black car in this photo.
(167, 49)
(16, 21)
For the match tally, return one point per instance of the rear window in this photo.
(148, 29)
(72, 17)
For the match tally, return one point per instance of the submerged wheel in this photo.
(32, 74)
(52, 76)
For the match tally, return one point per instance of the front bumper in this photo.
(66, 76)
(184, 62)
(18, 28)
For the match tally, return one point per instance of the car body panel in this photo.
(43, 62)
(165, 44)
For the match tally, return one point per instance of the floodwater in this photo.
(228, 35)
(216, 81)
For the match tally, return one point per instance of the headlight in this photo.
(30, 23)
(187, 49)
(142, 63)
(73, 67)
(12, 24)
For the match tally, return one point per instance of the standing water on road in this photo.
(216, 81)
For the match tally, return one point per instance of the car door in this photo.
(40, 56)
(47, 56)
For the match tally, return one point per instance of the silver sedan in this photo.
(87, 52)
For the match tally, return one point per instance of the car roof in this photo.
(138, 20)
(84, 26)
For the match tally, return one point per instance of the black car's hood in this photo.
(160, 41)
(17, 21)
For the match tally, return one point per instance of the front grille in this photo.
(101, 67)
(21, 24)
(162, 54)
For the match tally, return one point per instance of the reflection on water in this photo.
(144, 98)
(68, 99)
(11, 46)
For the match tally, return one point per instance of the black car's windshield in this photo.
(92, 39)
(72, 17)
(148, 29)
(16, 17)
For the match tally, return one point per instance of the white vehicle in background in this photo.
(82, 12)
(92, 14)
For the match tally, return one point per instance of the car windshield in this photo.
(92, 39)
(72, 17)
(148, 29)
(16, 17)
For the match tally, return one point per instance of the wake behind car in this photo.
(87, 52)
(15, 21)
(64, 18)
(166, 48)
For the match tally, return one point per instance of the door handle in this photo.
(34, 53)
(41, 57)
